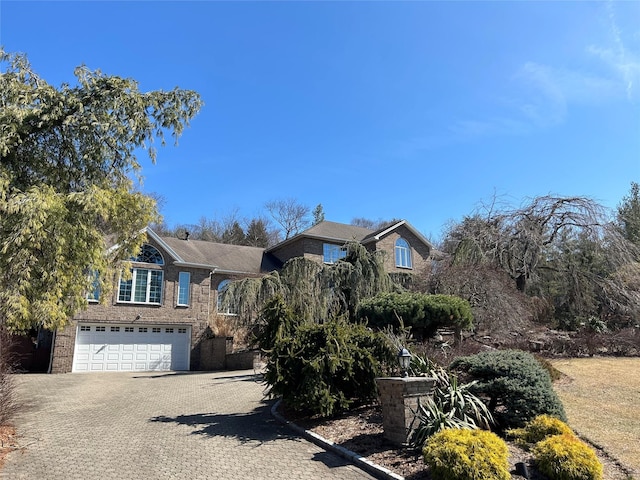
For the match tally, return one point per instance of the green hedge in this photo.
(417, 310)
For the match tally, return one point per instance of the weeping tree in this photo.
(315, 291)
(67, 160)
(564, 249)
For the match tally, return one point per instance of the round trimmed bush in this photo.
(565, 457)
(461, 454)
(541, 427)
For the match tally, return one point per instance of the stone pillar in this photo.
(399, 400)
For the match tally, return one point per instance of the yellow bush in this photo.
(541, 427)
(460, 454)
(565, 457)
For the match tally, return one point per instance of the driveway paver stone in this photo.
(159, 426)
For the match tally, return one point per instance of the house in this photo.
(156, 319)
(407, 249)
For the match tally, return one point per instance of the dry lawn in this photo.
(602, 399)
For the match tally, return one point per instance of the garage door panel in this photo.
(124, 348)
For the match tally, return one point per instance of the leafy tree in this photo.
(67, 156)
(629, 214)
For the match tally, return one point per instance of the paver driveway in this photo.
(159, 426)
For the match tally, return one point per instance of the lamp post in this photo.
(404, 359)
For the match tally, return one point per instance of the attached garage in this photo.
(126, 348)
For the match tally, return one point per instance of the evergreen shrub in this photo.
(418, 310)
(565, 457)
(461, 454)
(538, 429)
(321, 369)
(517, 386)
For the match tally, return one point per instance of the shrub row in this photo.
(463, 454)
(559, 454)
(417, 310)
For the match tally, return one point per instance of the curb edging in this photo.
(361, 462)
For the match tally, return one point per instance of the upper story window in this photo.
(145, 285)
(403, 254)
(331, 253)
(184, 281)
(149, 254)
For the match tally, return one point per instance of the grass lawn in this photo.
(602, 399)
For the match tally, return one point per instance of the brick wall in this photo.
(420, 253)
(202, 304)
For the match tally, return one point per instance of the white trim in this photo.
(165, 247)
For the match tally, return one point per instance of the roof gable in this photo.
(220, 257)
(384, 231)
(330, 232)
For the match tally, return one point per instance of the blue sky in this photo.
(416, 110)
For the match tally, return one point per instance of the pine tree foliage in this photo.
(67, 156)
(629, 214)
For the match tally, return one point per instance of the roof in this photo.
(377, 235)
(331, 232)
(221, 257)
(342, 233)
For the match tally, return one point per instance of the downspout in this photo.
(53, 346)
(211, 272)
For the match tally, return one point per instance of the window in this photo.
(144, 286)
(149, 254)
(128, 329)
(156, 330)
(222, 289)
(403, 254)
(182, 330)
(94, 293)
(85, 328)
(184, 279)
(332, 253)
(142, 329)
(168, 330)
(115, 329)
(100, 329)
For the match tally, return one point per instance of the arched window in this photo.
(145, 285)
(403, 254)
(222, 288)
(149, 254)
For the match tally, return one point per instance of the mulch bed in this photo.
(360, 431)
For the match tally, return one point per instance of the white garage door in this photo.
(125, 348)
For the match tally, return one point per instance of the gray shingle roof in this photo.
(338, 231)
(229, 258)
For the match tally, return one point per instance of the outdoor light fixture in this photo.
(404, 359)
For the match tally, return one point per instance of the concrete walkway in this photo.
(159, 426)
